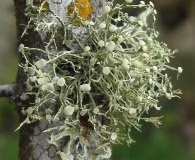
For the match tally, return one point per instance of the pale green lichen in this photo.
(115, 70)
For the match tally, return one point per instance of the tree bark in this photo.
(33, 141)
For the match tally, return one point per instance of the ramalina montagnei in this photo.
(107, 73)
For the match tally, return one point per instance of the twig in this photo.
(8, 90)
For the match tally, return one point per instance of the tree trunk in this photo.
(33, 141)
(33, 144)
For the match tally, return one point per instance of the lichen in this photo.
(80, 8)
(100, 83)
(43, 4)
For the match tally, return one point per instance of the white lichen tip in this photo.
(145, 48)
(102, 25)
(85, 87)
(128, 1)
(168, 95)
(50, 87)
(106, 9)
(44, 87)
(41, 81)
(150, 81)
(154, 68)
(147, 70)
(86, 23)
(151, 4)
(21, 47)
(29, 110)
(142, 3)
(31, 71)
(87, 49)
(142, 43)
(61, 82)
(180, 70)
(145, 55)
(41, 63)
(95, 110)
(33, 78)
(101, 43)
(125, 61)
(55, 79)
(106, 70)
(91, 23)
(113, 28)
(113, 136)
(132, 111)
(125, 64)
(137, 64)
(110, 46)
(120, 40)
(139, 98)
(48, 117)
(68, 110)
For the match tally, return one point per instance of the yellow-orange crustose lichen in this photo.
(44, 4)
(83, 9)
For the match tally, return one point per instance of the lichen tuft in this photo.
(97, 84)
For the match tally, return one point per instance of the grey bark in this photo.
(33, 142)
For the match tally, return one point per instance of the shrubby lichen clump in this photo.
(103, 79)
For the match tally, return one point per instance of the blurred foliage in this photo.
(8, 68)
(8, 138)
(169, 142)
(8, 116)
(155, 143)
(157, 146)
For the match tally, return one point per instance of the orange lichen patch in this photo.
(45, 5)
(83, 7)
